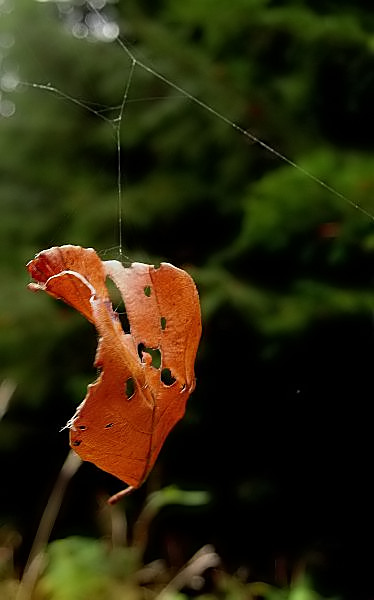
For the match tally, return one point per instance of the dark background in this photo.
(279, 429)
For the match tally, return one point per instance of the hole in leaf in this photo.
(109, 425)
(163, 323)
(147, 290)
(166, 377)
(122, 315)
(82, 427)
(118, 304)
(154, 353)
(130, 388)
(77, 443)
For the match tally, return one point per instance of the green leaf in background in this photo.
(83, 568)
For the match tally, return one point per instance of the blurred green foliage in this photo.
(278, 428)
(78, 568)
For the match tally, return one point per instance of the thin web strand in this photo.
(115, 123)
(89, 106)
(245, 132)
(253, 138)
(50, 88)
(119, 155)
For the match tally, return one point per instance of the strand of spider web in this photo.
(98, 113)
(119, 153)
(116, 123)
(245, 132)
(65, 96)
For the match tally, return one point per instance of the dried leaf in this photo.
(146, 375)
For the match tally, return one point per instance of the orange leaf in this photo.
(146, 375)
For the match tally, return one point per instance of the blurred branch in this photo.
(204, 559)
(155, 502)
(35, 560)
(7, 389)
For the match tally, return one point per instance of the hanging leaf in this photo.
(146, 375)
